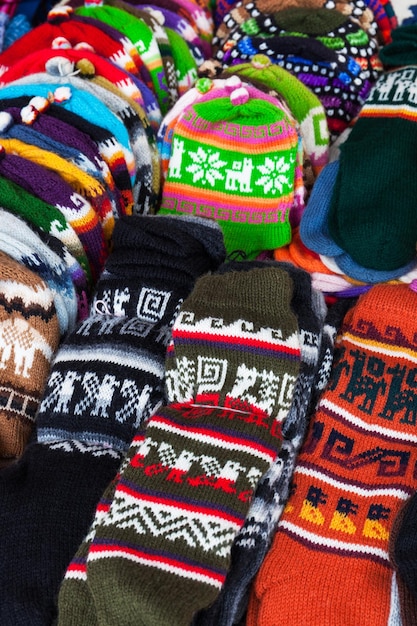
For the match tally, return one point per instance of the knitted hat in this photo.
(183, 28)
(47, 217)
(219, 170)
(198, 15)
(155, 22)
(138, 32)
(20, 242)
(62, 23)
(203, 87)
(403, 48)
(81, 183)
(185, 65)
(315, 234)
(303, 103)
(50, 187)
(35, 62)
(103, 140)
(372, 213)
(78, 101)
(141, 137)
(30, 335)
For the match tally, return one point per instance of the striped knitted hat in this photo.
(235, 158)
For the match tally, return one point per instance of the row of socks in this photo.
(82, 96)
(243, 368)
(106, 380)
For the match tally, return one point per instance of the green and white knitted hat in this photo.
(236, 159)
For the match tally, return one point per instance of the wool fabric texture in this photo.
(218, 170)
(337, 521)
(47, 217)
(302, 102)
(206, 372)
(23, 244)
(30, 336)
(76, 31)
(380, 232)
(77, 210)
(106, 378)
(254, 538)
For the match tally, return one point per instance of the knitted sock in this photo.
(329, 559)
(75, 600)
(254, 538)
(163, 549)
(107, 378)
(30, 335)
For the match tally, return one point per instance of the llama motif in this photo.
(176, 158)
(20, 340)
(120, 298)
(238, 178)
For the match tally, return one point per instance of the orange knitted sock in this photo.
(329, 562)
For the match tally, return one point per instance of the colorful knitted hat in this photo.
(50, 111)
(314, 232)
(29, 335)
(50, 187)
(203, 88)
(62, 23)
(372, 213)
(82, 183)
(20, 242)
(141, 34)
(183, 28)
(80, 102)
(184, 62)
(155, 21)
(86, 61)
(234, 159)
(302, 102)
(141, 138)
(338, 65)
(403, 48)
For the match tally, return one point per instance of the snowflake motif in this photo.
(273, 176)
(206, 166)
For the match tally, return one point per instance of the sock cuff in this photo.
(261, 293)
(173, 236)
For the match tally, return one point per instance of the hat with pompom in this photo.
(235, 159)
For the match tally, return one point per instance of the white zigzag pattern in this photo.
(172, 523)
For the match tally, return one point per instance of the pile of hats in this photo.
(359, 227)
(82, 97)
(332, 48)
